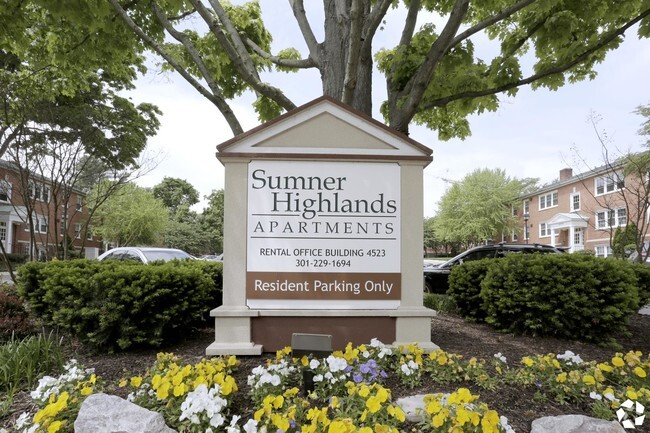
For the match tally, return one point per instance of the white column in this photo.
(572, 232)
(553, 237)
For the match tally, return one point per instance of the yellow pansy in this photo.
(603, 366)
(438, 419)
(54, 427)
(632, 394)
(561, 377)
(639, 372)
(86, 390)
(123, 383)
(334, 402)
(589, 379)
(179, 390)
(490, 422)
(373, 404)
(527, 361)
(280, 422)
(617, 362)
(337, 427)
(365, 430)
(136, 381)
(163, 391)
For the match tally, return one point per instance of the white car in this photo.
(145, 254)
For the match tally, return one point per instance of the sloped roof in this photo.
(324, 128)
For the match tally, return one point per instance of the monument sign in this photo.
(322, 233)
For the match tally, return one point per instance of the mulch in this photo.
(450, 332)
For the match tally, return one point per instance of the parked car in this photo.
(436, 278)
(212, 257)
(145, 254)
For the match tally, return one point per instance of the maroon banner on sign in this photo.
(323, 286)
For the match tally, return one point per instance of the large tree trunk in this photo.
(335, 52)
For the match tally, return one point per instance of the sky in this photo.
(534, 134)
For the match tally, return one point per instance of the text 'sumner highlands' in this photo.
(332, 204)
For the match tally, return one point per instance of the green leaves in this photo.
(577, 297)
(116, 305)
(479, 207)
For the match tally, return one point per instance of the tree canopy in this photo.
(434, 76)
(176, 193)
(131, 216)
(479, 207)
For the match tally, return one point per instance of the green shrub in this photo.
(642, 273)
(465, 287)
(567, 296)
(440, 303)
(24, 361)
(112, 304)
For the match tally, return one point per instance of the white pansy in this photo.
(504, 424)
(22, 419)
(250, 426)
(500, 357)
(336, 364)
(318, 378)
(405, 369)
(570, 358)
(595, 396)
(314, 364)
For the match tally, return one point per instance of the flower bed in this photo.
(349, 392)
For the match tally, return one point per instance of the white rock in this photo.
(103, 413)
(574, 424)
(413, 407)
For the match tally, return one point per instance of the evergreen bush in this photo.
(465, 288)
(568, 296)
(111, 305)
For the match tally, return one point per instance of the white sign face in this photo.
(323, 235)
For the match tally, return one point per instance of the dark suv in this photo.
(436, 278)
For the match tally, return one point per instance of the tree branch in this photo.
(298, 9)
(196, 57)
(553, 70)
(372, 22)
(245, 64)
(492, 20)
(286, 63)
(417, 84)
(220, 103)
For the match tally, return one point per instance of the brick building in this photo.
(53, 213)
(583, 211)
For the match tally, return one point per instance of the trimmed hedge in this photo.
(568, 296)
(110, 305)
(465, 288)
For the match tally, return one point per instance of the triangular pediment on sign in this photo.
(324, 127)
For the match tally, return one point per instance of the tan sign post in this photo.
(322, 233)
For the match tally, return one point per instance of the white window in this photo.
(40, 224)
(604, 251)
(39, 191)
(577, 236)
(515, 237)
(575, 201)
(77, 231)
(5, 191)
(609, 183)
(3, 231)
(611, 218)
(526, 207)
(544, 230)
(548, 200)
(79, 203)
(89, 233)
